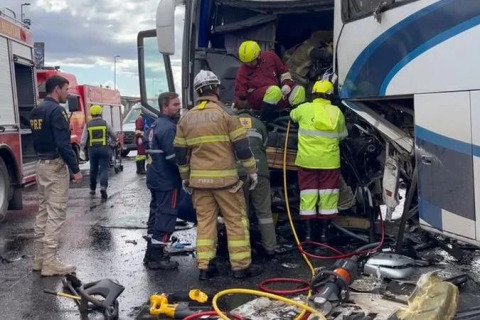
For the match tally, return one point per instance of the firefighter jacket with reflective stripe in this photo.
(321, 127)
(269, 71)
(257, 135)
(207, 144)
(162, 172)
(97, 133)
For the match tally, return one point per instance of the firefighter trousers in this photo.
(99, 159)
(208, 204)
(163, 215)
(53, 180)
(319, 193)
(261, 201)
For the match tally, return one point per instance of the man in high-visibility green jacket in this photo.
(321, 128)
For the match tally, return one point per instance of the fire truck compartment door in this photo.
(7, 110)
(22, 51)
(116, 119)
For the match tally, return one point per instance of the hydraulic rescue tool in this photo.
(334, 284)
(160, 304)
(84, 295)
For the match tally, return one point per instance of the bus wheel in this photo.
(4, 189)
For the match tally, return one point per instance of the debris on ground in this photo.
(290, 265)
(134, 242)
(433, 299)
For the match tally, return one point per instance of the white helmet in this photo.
(205, 78)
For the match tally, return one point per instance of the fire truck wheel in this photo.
(4, 189)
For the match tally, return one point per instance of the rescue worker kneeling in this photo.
(95, 134)
(207, 140)
(258, 80)
(164, 182)
(321, 128)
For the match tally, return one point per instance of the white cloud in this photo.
(88, 33)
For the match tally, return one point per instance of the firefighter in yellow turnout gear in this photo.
(322, 127)
(207, 143)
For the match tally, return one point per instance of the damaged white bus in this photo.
(407, 74)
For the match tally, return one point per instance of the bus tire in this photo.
(4, 190)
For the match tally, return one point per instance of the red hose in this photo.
(341, 255)
(210, 313)
(303, 289)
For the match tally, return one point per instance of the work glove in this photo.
(253, 181)
(82, 155)
(286, 89)
(185, 186)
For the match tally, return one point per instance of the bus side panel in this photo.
(443, 137)
(475, 110)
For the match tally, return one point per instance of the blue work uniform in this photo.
(51, 134)
(163, 179)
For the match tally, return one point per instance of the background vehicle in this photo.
(82, 97)
(399, 67)
(17, 99)
(128, 126)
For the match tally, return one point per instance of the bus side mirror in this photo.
(73, 104)
(166, 26)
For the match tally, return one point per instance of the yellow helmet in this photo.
(248, 51)
(95, 110)
(323, 86)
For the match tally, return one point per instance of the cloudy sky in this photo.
(83, 36)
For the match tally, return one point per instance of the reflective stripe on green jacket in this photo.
(321, 127)
(257, 135)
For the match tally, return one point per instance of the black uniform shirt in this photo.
(51, 133)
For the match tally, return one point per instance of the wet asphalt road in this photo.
(104, 241)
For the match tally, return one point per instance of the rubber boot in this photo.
(159, 259)
(210, 273)
(267, 114)
(252, 271)
(148, 251)
(141, 167)
(37, 256)
(103, 192)
(52, 266)
(323, 228)
(307, 227)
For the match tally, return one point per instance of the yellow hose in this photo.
(303, 306)
(266, 295)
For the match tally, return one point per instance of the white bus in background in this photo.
(407, 71)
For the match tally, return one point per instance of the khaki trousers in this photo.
(208, 204)
(53, 180)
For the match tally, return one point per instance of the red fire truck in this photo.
(17, 99)
(81, 98)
